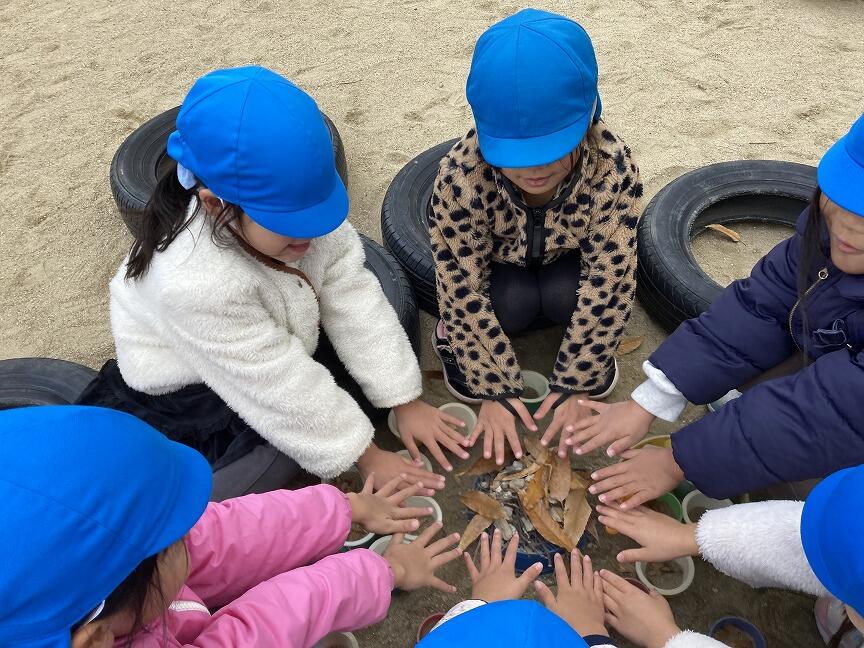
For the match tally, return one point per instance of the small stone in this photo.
(517, 484)
(516, 466)
(527, 524)
(505, 528)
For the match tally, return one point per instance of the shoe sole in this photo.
(611, 387)
(461, 397)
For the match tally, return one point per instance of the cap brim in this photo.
(192, 482)
(813, 524)
(533, 151)
(841, 178)
(311, 222)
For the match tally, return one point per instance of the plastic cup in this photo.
(743, 625)
(661, 441)
(672, 503)
(695, 499)
(688, 571)
(380, 545)
(426, 463)
(391, 423)
(421, 501)
(428, 624)
(338, 640)
(463, 413)
(539, 384)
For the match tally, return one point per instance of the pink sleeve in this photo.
(342, 592)
(242, 542)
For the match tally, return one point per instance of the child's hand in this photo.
(662, 537)
(419, 421)
(496, 580)
(645, 619)
(382, 512)
(388, 465)
(644, 475)
(566, 418)
(498, 426)
(619, 424)
(414, 564)
(580, 596)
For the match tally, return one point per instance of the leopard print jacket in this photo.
(475, 221)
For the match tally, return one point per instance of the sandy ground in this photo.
(685, 83)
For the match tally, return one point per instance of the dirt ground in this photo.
(684, 82)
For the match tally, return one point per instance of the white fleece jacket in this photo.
(211, 314)
(759, 544)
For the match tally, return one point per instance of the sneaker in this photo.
(830, 615)
(454, 379)
(602, 391)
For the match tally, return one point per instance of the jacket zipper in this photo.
(536, 241)
(822, 276)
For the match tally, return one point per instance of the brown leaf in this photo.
(433, 374)
(535, 490)
(536, 449)
(530, 470)
(577, 511)
(559, 484)
(577, 482)
(549, 528)
(480, 467)
(475, 527)
(629, 345)
(483, 505)
(725, 231)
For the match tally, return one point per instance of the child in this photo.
(534, 220)
(812, 547)
(804, 297)
(244, 252)
(573, 618)
(107, 534)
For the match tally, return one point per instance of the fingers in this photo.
(545, 595)
(445, 557)
(597, 406)
(619, 447)
(613, 583)
(496, 548)
(637, 499)
(561, 578)
(524, 414)
(529, 576)
(452, 441)
(404, 526)
(441, 586)
(593, 439)
(546, 406)
(576, 568)
(437, 455)
(455, 435)
(415, 474)
(484, 551)
(478, 430)
(513, 439)
(633, 555)
(428, 533)
(610, 471)
(598, 586)
(551, 431)
(499, 447)
(618, 494)
(471, 567)
(611, 605)
(400, 496)
(443, 544)
(488, 440)
(369, 484)
(411, 446)
(449, 419)
(587, 574)
(512, 550)
(612, 482)
(401, 513)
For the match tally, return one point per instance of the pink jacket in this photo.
(265, 561)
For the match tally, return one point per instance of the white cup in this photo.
(421, 501)
(688, 571)
(391, 423)
(338, 640)
(696, 499)
(539, 384)
(380, 545)
(463, 413)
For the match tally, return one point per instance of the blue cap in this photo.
(841, 170)
(87, 494)
(525, 624)
(256, 140)
(832, 526)
(532, 88)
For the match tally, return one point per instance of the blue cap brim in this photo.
(516, 153)
(311, 222)
(813, 524)
(841, 178)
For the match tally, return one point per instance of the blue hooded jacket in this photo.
(802, 426)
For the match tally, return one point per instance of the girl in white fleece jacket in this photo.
(243, 254)
(812, 547)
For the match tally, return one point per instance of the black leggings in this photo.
(522, 296)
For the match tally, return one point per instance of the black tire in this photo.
(670, 284)
(404, 222)
(142, 158)
(41, 381)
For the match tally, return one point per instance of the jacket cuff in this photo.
(658, 395)
(599, 640)
(690, 639)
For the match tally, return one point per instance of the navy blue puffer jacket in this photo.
(805, 425)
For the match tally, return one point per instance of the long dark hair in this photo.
(165, 217)
(131, 595)
(811, 258)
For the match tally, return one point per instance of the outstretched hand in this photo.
(645, 619)
(383, 512)
(580, 596)
(567, 415)
(645, 474)
(498, 427)
(414, 564)
(419, 422)
(496, 579)
(618, 425)
(662, 537)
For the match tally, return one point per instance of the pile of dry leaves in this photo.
(541, 494)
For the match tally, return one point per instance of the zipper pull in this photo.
(823, 274)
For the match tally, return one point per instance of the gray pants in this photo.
(262, 470)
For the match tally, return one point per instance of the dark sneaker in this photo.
(454, 379)
(602, 391)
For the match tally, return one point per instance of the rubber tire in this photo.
(41, 381)
(670, 284)
(404, 222)
(142, 157)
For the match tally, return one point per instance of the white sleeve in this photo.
(264, 373)
(759, 544)
(460, 608)
(363, 326)
(690, 639)
(658, 395)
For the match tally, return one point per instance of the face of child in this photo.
(273, 245)
(847, 237)
(541, 180)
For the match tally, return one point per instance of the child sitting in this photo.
(107, 534)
